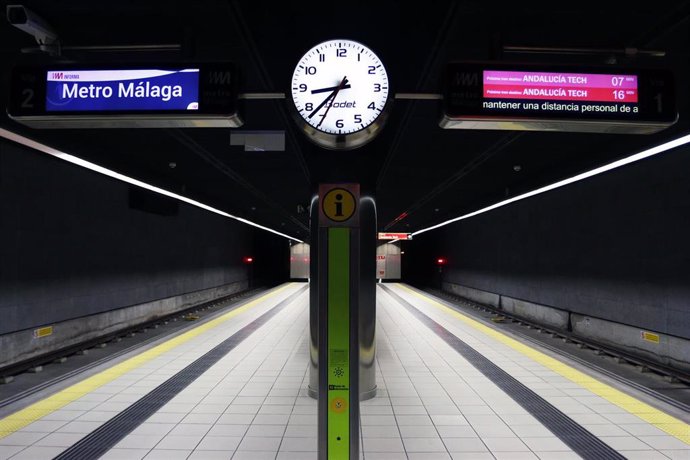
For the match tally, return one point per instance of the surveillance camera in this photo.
(24, 19)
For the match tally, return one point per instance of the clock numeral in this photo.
(341, 52)
(372, 70)
(377, 88)
(309, 106)
(339, 124)
(311, 70)
(358, 118)
(371, 106)
(322, 57)
(302, 88)
(358, 56)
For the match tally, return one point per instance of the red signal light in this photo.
(441, 261)
(247, 260)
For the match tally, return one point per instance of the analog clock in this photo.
(340, 94)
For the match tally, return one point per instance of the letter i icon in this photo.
(339, 205)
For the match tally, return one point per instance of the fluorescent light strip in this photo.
(616, 164)
(9, 135)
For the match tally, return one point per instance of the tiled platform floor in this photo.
(253, 403)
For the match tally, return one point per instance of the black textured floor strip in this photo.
(99, 441)
(581, 441)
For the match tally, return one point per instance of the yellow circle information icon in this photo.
(339, 204)
(338, 405)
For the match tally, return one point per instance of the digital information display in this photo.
(497, 96)
(201, 95)
(118, 90)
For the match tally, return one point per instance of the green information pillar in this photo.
(338, 272)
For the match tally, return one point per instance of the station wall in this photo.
(615, 247)
(74, 245)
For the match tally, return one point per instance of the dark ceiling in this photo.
(414, 168)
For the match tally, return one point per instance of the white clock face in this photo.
(340, 87)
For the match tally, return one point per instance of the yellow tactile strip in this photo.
(649, 414)
(40, 409)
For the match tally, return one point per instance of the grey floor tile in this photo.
(299, 444)
(676, 454)
(424, 445)
(296, 419)
(284, 455)
(544, 444)
(456, 431)
(406, 401)
(533, 431)
(165, 418)
(255, 400)
(259, 444)
(380, 431)
(515, 455)
(271, 419)
(493, 431)
(376, 410)
(384, 456)
(305, 410)
(163, 454)
(560, 456)
(506, 444)
(179, 442)
(445, 409)
(267, 430)
(476, 409)
(21, 438)
(66, 415)
(211, 455)
(413, 420)
(243, 409)
(472, 456)
(227, 430)
(254, 455)
(201, 418)
(301, 430)
(418, 431)
(378, 420)
(190, 429)
(219, 443)
(410, 410)
(640, 429)
(625, 443)
(36, 452)
(449, 420)
(134, 441)
(44, 426)
(275, 409)
(663, 442)
(125, 454)
(428, 456)
(235, 419)
(60, 439)
(465, 445)
(483, 419)
(8, 451)
(153, 428)
(382, 445)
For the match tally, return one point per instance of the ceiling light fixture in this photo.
(35, 145)
(616, 164)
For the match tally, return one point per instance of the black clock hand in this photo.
(332, 95)
(335, 94)
(323, 90)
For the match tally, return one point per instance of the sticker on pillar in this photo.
(339, 204)
(338, 405)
